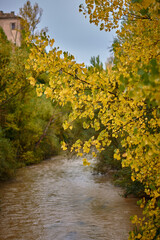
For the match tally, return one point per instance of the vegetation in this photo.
(106, 164)
(120, 103)
(30, 125)
(23, 116)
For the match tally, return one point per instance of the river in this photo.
(60, 199)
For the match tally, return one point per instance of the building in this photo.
(11, 26)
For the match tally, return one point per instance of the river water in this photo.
(60, 199)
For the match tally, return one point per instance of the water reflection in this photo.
(60, 199)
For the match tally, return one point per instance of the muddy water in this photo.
(60, 199)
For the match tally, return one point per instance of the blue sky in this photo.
(71, 31)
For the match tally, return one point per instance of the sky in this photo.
(71, 31)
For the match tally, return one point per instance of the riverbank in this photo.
(106, 164)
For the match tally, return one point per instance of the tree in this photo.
(96, 64)
(23, 116)
(30, 16)
(120, 103)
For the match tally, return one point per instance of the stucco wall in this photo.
(12, 35)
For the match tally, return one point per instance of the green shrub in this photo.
(121, 176)
(7, 158)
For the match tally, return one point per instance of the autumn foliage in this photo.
(122, 102)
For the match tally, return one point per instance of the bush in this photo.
(121, 176)
(7, 158)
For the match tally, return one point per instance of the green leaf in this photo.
(135, 130)
(122, 88)
(144, 11)
(140, 72)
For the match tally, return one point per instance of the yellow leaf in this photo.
(85, 162)
(63, 146)
(32, 81)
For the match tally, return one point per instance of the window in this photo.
(13, 26)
